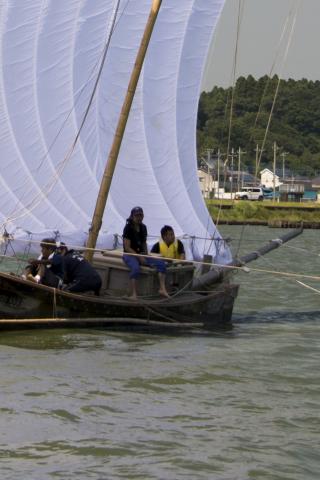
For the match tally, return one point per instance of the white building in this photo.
(206, 183)
(268, 179)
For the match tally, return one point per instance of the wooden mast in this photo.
(116, 144)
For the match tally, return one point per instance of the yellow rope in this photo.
(308, 286)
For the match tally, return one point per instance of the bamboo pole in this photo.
(214, 275)
(115, 148)
(96, 321)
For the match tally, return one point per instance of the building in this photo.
(315, 184)
(291, 192)
(268, 179)
(206, 183)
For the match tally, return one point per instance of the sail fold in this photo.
(51, 53)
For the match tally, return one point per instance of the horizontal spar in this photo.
(98, 320)
(214, 275)
(271, 245)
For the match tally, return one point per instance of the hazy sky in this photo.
(264, 37)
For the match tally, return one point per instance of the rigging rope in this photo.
(234, 71)
(223, 266)
(271, 73)
(308, 286)
(246, 269)
(279, 80)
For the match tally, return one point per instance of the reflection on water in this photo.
(232, 405)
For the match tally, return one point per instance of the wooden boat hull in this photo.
(29, 304)
(208, 302)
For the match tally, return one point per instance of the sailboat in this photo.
(154, 167)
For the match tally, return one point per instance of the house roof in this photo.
(316, 181)
(267, 170)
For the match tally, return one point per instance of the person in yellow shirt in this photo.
(169, 246)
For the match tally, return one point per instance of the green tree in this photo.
(294, 125)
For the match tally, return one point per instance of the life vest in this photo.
(169, 252)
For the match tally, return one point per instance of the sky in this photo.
(275, 36)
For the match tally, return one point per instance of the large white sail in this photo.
(51, 51)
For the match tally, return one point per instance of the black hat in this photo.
(48, 243)
(136, 210)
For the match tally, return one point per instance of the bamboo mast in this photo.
(116, 144)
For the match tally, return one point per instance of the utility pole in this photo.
(206, 161)
(240, 152)
(258, 151)
(209, 151)
(218, 179)
(208, 171)
(275, 148)
(283, 155)
(231, 181)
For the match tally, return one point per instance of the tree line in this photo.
(294, 123)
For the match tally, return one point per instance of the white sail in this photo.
(50, 55)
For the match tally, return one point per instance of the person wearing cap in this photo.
(169, 247)
(135, 242)
(47, 269)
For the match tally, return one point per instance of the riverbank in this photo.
(282, 214)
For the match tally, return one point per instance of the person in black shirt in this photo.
(135, 242)
(47, 269)
(79, 274)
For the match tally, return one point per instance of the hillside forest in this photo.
(288, 110)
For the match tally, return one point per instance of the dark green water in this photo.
(90, 404)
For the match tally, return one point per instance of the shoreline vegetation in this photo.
(295, 124)
(267, 213)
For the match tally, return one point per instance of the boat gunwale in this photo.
(183, 298)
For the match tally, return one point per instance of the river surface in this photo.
(242, 404)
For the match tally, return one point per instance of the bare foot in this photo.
(164, 293)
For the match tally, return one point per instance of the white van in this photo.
(249, 193)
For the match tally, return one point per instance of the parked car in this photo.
(249, 193)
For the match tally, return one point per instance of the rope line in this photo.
(234, 70)
(278, 83)
(242, 268)
(54, 304)
(308, 286)
(284, 29)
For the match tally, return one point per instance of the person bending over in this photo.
(135, 242)
(169, 246)
(79, 274)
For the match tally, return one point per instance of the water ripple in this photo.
(236, 405)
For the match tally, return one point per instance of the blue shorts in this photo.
(135, 267)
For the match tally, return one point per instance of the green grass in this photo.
(257, 211)
(266, 203)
